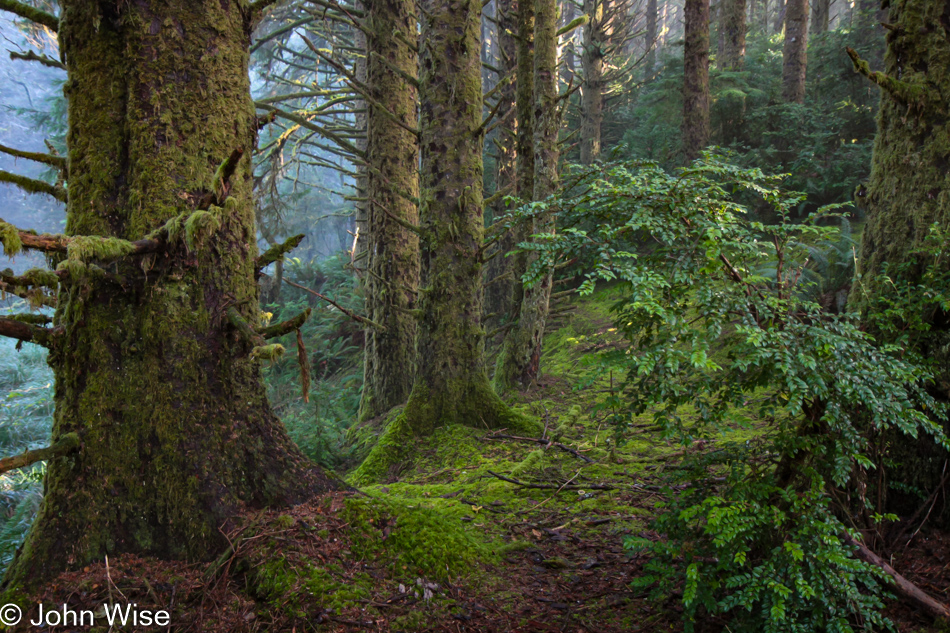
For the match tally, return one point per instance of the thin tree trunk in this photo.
(820, 16)
(392, 182)
(696, 81)
(592, 92)
(649, 63)
(779, 22)
(794, 53)
(154, 376)
(520, 358)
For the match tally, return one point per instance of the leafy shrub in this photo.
(755, 534)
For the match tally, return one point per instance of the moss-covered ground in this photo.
(446, 542)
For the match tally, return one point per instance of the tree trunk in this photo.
(451, 381)
(177, 435)
(520, 358)
(649, 63)
(779, 22)
(794, 53)
(820, 16)
(908, 191)
(392, 183)
(696, 80)
(733, 27)
(592, 91)
(499, 272)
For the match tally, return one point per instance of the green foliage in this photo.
(334, 345)
(704, 330)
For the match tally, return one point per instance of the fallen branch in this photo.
(543, 442)
(907, 590)
(552, 486)
(66, 444)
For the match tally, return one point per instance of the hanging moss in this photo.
(10, 238)
(271, 352)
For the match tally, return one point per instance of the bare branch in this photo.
(349, 313)
(33, 57)
(66, 444)
(12, 328)
(59, 162)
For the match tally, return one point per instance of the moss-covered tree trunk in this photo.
(176, 432)
(795, 51)
(499, 271)
(592, 89)
(520, 358)
(908, 191)
(733, 29)
(696, 79)
(392, 187)
(451, 382)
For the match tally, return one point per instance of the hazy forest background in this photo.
(622, 314)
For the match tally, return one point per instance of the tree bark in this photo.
(520, 358)
(779, 21)
(696, 80)
(795, 51)
(176, 432)
(592, 90)
(907, 192)
(392, 183)
(649, 62)
(499, 272)
(733, 27)
(451, 382)
(820, 16)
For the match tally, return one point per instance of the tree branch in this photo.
(908, 590)
(48, 20)
(31, 185)
(66, 444)
(285, 327)
(901, 90)
(33, 57)
(12, 328)
(349, 313)
(277, 251)
(59, 162)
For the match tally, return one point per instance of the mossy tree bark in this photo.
(500, 270)
(733, 28)
(451, 383)
(392, 188)
(908, 191)
(696, 78)
(795, 51)
(176, 432)
(520, 358)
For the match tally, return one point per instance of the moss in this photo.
(307, 589)
(200, 225)
(86, 248)
(414, 539)
(271, 352)
(10, 238)
(531, 462)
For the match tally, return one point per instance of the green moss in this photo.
(10, 238)
(271, 352)
(200, 225)
(307, 589)
(413, 539)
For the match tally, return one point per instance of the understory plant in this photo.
(712, 344)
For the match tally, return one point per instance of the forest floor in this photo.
(480, 531)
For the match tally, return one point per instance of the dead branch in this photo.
(544, 442)
(48, 20)
(349, 313)
(552, 486)
(13, 328)
(66, 444)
